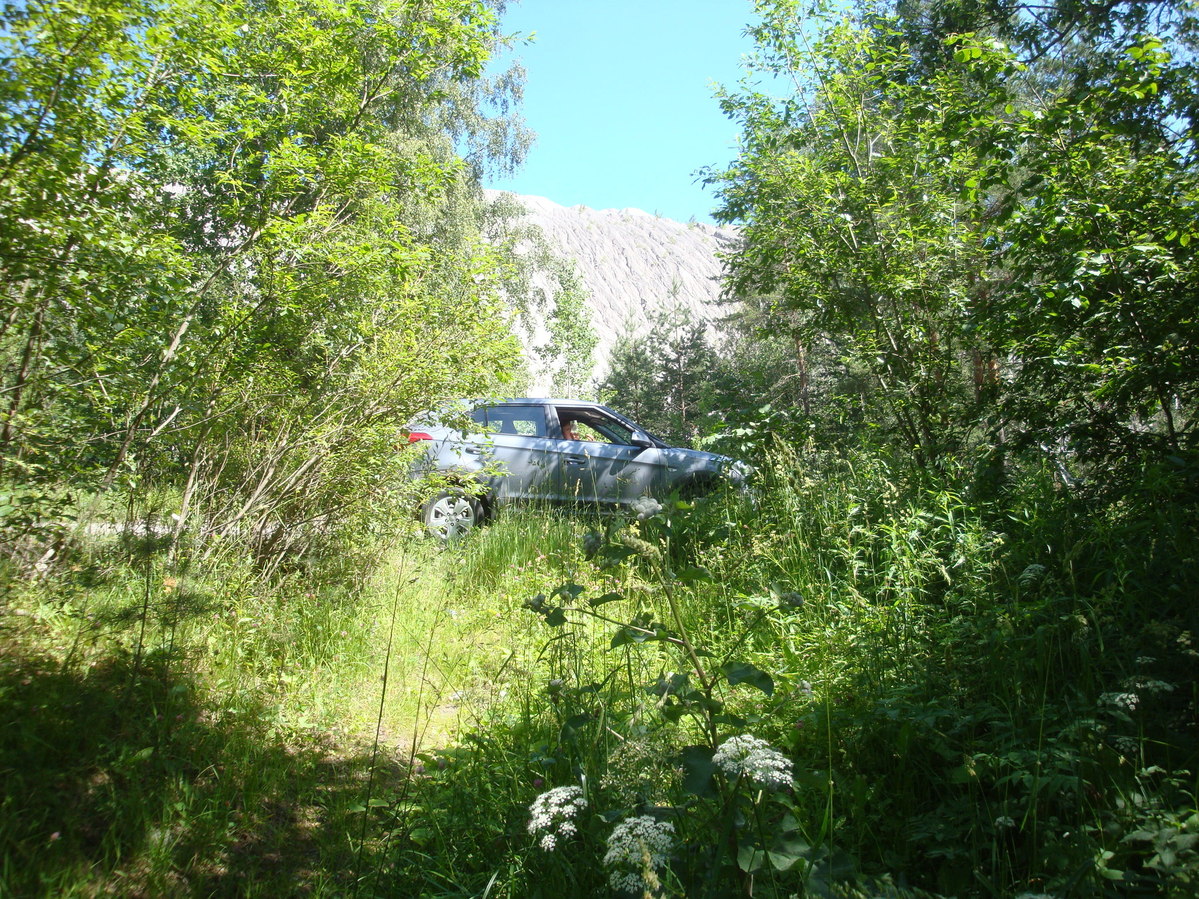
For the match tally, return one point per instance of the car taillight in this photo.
(418, 436)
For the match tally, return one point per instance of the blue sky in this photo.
(619, 93)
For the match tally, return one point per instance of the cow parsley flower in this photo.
(592, 544)
(747, 756)
(637, 848)
(646, 507)
(1121, 702)
(1142, 685)
(552, 815)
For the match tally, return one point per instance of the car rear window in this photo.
(524, 421)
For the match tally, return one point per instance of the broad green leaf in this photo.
(698, 771)
(745, 673)
(606, 598)
(693, 574)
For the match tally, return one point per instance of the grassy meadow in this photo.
(943, 700)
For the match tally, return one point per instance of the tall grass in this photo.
(977, 703)
(993, 701)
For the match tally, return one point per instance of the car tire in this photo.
(451, 514)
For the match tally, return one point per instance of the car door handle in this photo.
(576, 459)
(476, 450)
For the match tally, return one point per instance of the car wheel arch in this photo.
(697, 485)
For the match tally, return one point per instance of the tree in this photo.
(663, 379)
(848, 192)
(684, 362)
(1089, 292)
(236, 239)
(997, 230)
(629, 384)
(547, 299)
(571, 343)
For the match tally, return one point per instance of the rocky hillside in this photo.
(632, 262)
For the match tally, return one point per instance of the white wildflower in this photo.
(646, 507)
(552, 815)
(1121, 702)
(1005, 822)
(754, 759)
(637, 848)
(1126, 746)
(1149, 685)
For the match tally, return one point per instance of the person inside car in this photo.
(568, 430)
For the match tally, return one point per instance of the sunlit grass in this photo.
(951, 700)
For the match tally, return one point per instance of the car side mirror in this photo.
(641, 439)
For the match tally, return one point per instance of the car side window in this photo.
(594, 427)
(586, 432)
(479, 416)
(522, 421)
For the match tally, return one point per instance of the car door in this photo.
(605, 466)
(519, 452)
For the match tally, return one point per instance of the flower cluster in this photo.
(1126, 746)
(592, 544)
(747, 756)
(1184, 645)
(645, 507)
(1121, 702)
(637, 848)
(1142, 685)
(552, 815)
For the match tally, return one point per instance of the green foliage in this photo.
(546, 298)
(985, 210)
(965, 695)
(663, 378)
(237, 257)
(1092, 294)
(238, 247)
(571, 339)
(849, 193)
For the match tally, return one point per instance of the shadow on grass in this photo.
(117, 781)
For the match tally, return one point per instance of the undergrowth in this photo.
(837, 685)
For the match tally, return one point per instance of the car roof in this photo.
(535, 400)
(545, 401)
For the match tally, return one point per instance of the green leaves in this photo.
(745, 673)
(851, 218)
(699, 771)
(605, 598)
(663, 378)
(986, 239)
(692, 574)
(245, 249)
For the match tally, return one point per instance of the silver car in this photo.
(488, 454)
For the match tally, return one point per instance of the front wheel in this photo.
(451, 514)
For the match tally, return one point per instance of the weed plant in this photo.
(974, 702)
(839, 685)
